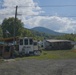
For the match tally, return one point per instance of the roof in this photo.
(12, 39)
(58, 40)
(8, 39)
(25, 37)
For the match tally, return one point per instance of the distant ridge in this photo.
(46, 30)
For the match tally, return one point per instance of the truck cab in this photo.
(27, 46)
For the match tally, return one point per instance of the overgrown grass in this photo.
(54, 54)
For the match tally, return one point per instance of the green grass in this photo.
(54, 54)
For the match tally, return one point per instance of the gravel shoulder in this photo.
(38, 67)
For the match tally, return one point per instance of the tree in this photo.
(27, 33)
(71, 37)
(8, 26)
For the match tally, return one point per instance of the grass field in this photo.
(54, 54)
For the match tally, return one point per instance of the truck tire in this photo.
(37, 53)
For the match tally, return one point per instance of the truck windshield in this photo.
(21, 41)
(26, 41)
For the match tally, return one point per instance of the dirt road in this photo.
(38, 67)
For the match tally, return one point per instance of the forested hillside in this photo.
(47, 31)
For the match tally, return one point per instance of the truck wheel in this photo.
(37, 53)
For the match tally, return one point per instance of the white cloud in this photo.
(60, 24)
(9, 5)
(33, 8)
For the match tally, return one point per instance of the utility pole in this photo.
(15, 23)
(14, 30)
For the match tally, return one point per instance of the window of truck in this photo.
(31, 41)
(26, 41)
(21, 41)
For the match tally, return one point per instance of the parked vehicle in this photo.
(27, 46)
(19, 47)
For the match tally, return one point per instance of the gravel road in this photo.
(38, 67)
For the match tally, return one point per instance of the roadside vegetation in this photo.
(53, 54)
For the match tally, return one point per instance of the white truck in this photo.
(27, 46)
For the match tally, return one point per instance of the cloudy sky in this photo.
(57, 15)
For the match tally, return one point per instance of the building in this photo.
(57, 44)
(6, 47)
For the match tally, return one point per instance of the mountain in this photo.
(46, 30)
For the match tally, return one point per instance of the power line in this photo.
(8, 7)
(52, 15)
(51, 6)
(41, 6)
(42, 15)
(6, 14)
